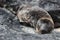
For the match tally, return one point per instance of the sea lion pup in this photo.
(36, 17)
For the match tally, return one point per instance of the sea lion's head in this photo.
(44, 25)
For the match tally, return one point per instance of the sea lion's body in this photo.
(36, 17)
